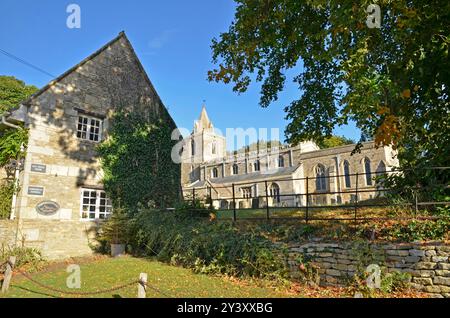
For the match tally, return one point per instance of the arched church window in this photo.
(368, 171)
(275, 192)
(280, 162)
(321, 181)
(347, 179)
(235, 169)
(215, 173)
(213, 148)
(256, 166)
(192, 147)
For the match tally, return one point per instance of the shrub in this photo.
(205, 247)
(6, 193)
(25, 256)
(423, 229)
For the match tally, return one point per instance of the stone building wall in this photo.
(56, 239)
(111, 79)
(427, 263)
(8, 229)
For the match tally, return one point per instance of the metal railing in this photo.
(358, 197)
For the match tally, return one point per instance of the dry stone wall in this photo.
(428, 264)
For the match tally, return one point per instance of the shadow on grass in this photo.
(35, 291)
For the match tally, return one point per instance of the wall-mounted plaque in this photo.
(36, 190)
(38, 168)
(47, 207)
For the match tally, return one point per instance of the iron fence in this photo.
(352, 194)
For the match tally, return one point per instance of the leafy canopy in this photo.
(335, 141)
(393, 81)
(13, 91)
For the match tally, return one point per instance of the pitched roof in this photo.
(121, 35)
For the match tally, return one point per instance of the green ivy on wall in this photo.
(137, 164)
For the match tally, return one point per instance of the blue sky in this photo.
(172, 39)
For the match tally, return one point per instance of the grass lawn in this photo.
(109, 272)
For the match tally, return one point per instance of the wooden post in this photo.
(210, 198)
(267, 201)
(193, 197)
(307, 199)
(234, 204)
(356, 194)
(142, 285)
(8, 274)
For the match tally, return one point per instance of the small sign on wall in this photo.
(47, 208)
(35, 190)
(38, 168)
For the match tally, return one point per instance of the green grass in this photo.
(109, 272)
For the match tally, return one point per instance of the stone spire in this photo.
(203, 122)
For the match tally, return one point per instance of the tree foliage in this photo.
(393, 81)
(13, 91)
(136, 162)
(335, 141)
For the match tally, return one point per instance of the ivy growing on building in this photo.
(137, 164)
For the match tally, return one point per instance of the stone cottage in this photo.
(61, 195)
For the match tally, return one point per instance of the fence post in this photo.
(193, 197)
(307, 199)
(267, 201)
(356, 194)
(416, 199)
(234, 204)
(142, 285)
(210, 198)
(8, 273)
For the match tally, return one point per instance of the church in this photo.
(278, 176)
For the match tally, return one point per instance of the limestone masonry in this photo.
(428, 263)
(61, 194)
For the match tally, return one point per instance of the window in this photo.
(192, 147)
(89, 128)
(215, 173)
(368, 172)
(213, 148)
(275, 192)
(235, 169)
(280, 162)
(347, 180)
(320, 178)
(95, 204)
(247, 192)
(256, 166)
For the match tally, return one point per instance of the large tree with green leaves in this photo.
(393, 81)
(12, 92)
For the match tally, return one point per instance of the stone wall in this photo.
(7, 232)
(428, 264)
(56, 239)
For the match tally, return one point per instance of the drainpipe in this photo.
(6, 123)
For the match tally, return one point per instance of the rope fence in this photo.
(142, 284)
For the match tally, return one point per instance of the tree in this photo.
(335, 141)
(13, 91)
(393, 81)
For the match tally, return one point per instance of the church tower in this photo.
(202, 145)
